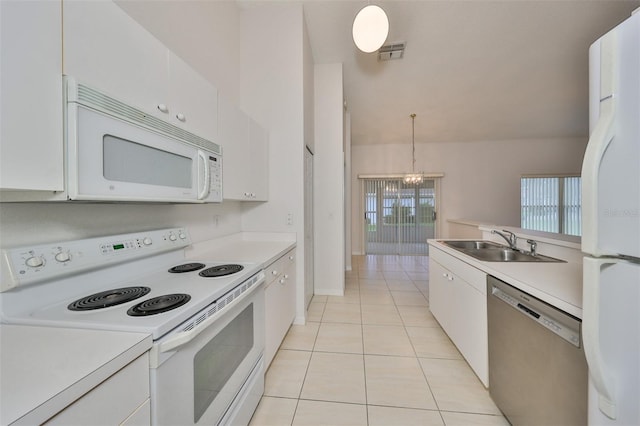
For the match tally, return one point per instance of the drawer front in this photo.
(277, 268)
(474, 276)
(112, 401)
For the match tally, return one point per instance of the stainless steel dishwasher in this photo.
(537, 368)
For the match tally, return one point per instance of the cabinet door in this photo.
(107, 49)
(233, 136)
(31, 153)
(113, 401)
(259, 156)
(193, 101)
(471, 334)
(440, 294)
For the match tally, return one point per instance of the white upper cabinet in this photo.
(31, 149)
(244, 152)
(259, 153)
(193, 100)
(107, 49)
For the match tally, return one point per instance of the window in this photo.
(551, 204)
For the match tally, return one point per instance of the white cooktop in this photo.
(102, 264)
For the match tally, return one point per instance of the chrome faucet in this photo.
(511, 239)
(532, 247)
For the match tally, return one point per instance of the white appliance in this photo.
(611, 228)
(206, 318)
(116, 152)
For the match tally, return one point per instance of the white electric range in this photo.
(206, 317)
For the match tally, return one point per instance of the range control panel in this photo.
(28, 265)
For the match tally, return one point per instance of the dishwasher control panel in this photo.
(545, 315)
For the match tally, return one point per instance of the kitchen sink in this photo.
(471, 245)
(488, 251)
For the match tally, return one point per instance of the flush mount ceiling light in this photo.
(370, 28)
(413, 178)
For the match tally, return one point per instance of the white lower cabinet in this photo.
(280, 299)
(121, 399)
(457, 298)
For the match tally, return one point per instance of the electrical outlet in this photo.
(289, 219)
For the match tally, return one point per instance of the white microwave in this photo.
(116, 152)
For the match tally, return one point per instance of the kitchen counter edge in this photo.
(46, 369)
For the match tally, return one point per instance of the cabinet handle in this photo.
(291, 258)
(180, 116)
(281, 281)
(274, 272)
(163, 108)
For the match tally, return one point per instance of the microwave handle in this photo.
(207, 181)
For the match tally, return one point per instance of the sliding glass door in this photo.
(399, 218)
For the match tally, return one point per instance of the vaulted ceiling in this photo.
(472, 70)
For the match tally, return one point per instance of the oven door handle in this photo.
(187, 336)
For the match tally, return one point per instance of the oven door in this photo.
(196, 382)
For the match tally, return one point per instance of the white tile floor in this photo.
(375, 356)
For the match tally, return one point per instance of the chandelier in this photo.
(413, 178)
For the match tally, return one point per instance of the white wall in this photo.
(273, 57)
(329, 180)
(211, 46)
(481, 179)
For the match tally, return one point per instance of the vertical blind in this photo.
(551, 204)
(399, 217)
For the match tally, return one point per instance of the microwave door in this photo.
(112, 160)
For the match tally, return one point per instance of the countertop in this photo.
(558, 284)
(253, 247)
(44, 369)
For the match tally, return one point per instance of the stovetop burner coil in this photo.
(158, 305)
(187, 267)
(221, 270)
(108, 298)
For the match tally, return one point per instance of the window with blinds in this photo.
(551, 204)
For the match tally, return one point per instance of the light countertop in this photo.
(44, 369)
(254, 247)
(558, 284)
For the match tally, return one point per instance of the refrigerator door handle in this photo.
(600, 139)
(591, 332)
(602, 135)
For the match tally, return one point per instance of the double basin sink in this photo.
(489, 251)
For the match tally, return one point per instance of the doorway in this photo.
(399, 217)
(308, 227)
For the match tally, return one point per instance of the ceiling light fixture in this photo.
(413, 178)
(370, 28)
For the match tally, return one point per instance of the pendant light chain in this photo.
(413, 142)
(413, 178)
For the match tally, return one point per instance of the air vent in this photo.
(391, 51)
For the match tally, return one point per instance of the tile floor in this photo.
(375, 356)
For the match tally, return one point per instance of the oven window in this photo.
(216, 362)
(126, 161)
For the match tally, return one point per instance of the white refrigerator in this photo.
(611, 228)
